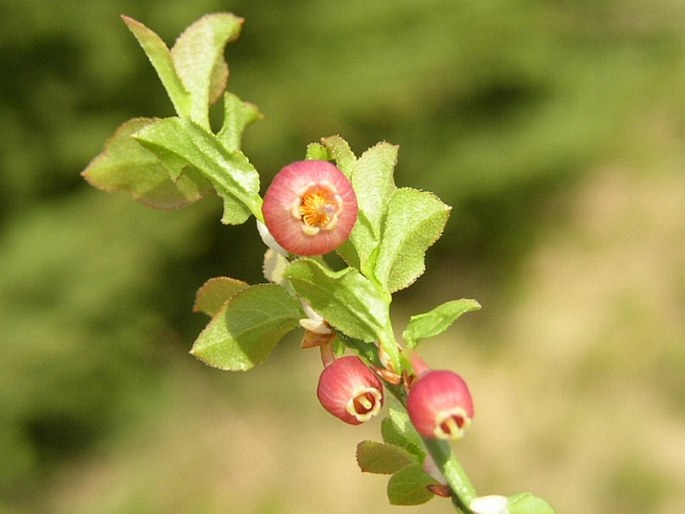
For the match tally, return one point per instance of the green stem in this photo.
(443, 456)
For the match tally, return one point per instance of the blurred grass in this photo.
(555, 129)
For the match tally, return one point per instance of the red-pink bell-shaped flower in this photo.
(310, 208)
(439, 405)
(350, 391)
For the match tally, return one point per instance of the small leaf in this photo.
(238, 115)
(215, 292)
(526, 503)
(317, 152)
(234, 178)
(409, 486)
(125, 165)
(397, 429)
(436, 321)
(383, 458)
(160, 57)
(372, 178)
(415, 220)
(198, 57)
(342, 154)
(346, 299)
(373, 182)
(247, 327)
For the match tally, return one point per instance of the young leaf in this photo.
(397, 429)
(374, 183)
(372, 178)
(317, 152)
(341, 152)
(198, 57)
(414, 221)
(125, 165)
(233, 177)
(409, 486)
(160, 57)
(526, 503)
(215, 292)
(346, 299)
(247, 327)
(383, 458)
(436, 321)
(238, 115)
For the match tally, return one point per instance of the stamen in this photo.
(365, 403)
(451, 424)
(318, 208)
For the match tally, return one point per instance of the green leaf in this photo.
(342, 154)
(415, 220)
(234, 178)
(247, 327)
(317, 152)
(526, 503)
(346, 299)
(238, 115)
(372, 178)
(383, 458)
(160, 57)
(398, 430)
(374, 183)
(436, 321)
(198, 57)
(215, 292)
(125, 165)
(408, 486)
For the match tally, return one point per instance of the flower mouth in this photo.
(451, 424)
(317, 207)
(365, 403)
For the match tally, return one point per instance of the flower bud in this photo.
(310, 208)
(350, 391)
(493, 504)
(439, 405)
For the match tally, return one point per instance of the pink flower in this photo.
(439, 405)
(350, 391)
(310, 208)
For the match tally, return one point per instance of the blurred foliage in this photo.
(498, 107)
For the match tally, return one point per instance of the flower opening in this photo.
(310, 207)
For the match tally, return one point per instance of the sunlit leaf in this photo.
(342, 154)
(234, 178)
(383, 458)
(397, 429)
(526, 503)
(409, 486)
(372, 178)
(160, 57)
(436, 321)
(238, 115)
(246, 328)
(125, 165)
(215, 292)
(346, 299)
(414, 221)
(198, 57)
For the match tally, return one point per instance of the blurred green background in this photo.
(556, 130)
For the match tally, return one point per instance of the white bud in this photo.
(314, 322)
(493, 504)
(274, 266)
(269, 240)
